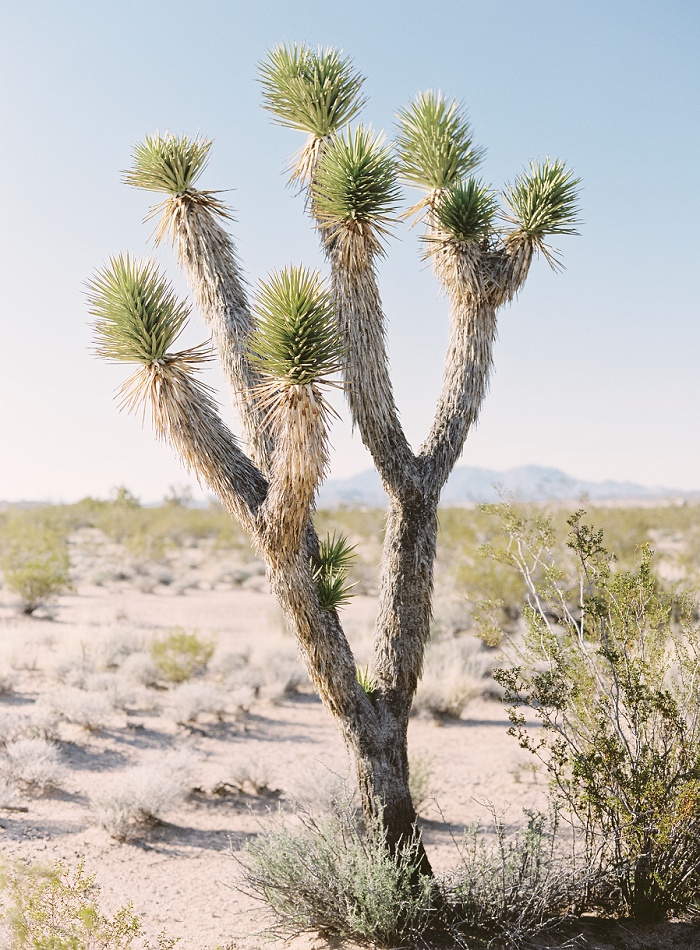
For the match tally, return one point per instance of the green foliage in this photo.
(54, 909)
(34, 558)
(181, 655)
(168, 163)
(467, 211)
(325, 875)
(330, 571)
(609, 666)
(516, 883)
(545, 200)
(137, 315)
(435, 143)
(356, 180)
(365, 679)
(316, 92)
(296, 340)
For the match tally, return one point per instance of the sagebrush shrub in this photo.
(191, 700)
(180, 655)
(139, 796)
(326, 875)
(610, 665)
(33, 764)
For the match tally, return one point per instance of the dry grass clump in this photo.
(138, 797)
(456, 671)
(32, 764)
(8, 681)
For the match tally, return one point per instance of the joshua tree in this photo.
(304, 334)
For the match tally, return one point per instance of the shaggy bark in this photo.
(273, 495)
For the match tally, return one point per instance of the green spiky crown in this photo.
(296, 341)
(467, 212)
(137, 315)
(168, 163)
(434, 142)
(544, 200)
(356, 180)
(315, 91)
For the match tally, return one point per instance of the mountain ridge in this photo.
(473, 485)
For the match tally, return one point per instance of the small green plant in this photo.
(55, 909)
(365, 679)
(181, 655)
(610, 666)
(34, 560)
(335, 556)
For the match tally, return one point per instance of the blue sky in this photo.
(596, 369)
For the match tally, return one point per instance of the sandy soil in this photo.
(181, 876)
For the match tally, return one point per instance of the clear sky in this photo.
(596, 368)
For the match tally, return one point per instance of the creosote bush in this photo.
(180, 655)
(57, 909)
(610, 665)
(34, 560)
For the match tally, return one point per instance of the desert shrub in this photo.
(41, 722)
(455, 672)
(55, 909)
(180, 655)
(141, 668)
(326, 875)
(609, 665)
(191, 700)
(34, 560)
(140, 796)
(513, 883)
(32, 764)
(91, 710)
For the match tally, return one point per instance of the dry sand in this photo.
(181, 876)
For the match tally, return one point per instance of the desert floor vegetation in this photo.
(156, 780)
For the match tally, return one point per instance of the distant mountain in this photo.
(478, 485)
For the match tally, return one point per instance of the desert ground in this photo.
(240, 738)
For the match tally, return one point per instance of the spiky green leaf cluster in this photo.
(137, 315)
(467, 212)
(168, 163)
(314, 91)
(435, 143)
(331, 570)
(545, 200)
(365, 679)
(297, 339)
(356, 179)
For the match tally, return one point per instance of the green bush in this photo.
(609, 665)
(53, 909)
(515, 883)
(181, 655)
(325, 875)
(34, 559)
